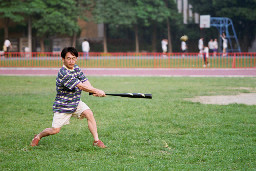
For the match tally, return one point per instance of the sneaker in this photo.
(35, 141)
(99, 144)
(204, 65)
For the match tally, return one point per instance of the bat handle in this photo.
(92, 93)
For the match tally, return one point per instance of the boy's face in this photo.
(69, 61)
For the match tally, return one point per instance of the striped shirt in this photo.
(68, 95)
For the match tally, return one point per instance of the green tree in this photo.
(242, 13)
(149, 13)
(29, 9)
(112, 12)
(10, 11)
(19, 11)
(59, 17)
(47, 17)
(146, 13)
(135, 14)
(158, 15)
(173, 18)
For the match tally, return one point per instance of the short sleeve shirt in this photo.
(164, 43)
(68, 95)
(200, 44)
(215, 45)
(211, 45)
(7, 43)
(85, 46)
(183, 45)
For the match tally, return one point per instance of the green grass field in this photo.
(165, 133)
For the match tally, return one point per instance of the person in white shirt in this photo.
(225, 44)
(85, 47)
(164, 44)
(183, 47)
(206, 56)
(210, 45)
(215, 47)
(201, 46)
(7, 47)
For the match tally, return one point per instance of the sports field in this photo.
(164, 133)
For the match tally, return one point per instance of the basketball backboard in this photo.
(205, 21)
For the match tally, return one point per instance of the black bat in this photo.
(131, 95)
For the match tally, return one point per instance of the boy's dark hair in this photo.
(71, 50)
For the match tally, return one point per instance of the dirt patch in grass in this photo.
(243, 98)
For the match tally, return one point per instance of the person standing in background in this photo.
(164, 43)
(210, 45)
(7, 47)
(206, 56)
(215, 47)
(85, 48)
(183, 47)
(201, 46)
(225, 44)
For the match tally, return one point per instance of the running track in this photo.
(204, 72)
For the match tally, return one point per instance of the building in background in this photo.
(19, 37)
(186, 9)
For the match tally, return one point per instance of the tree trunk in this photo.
(136, 38)
(74, 40)
(6, 31)
(244, 46)
(105, 39)
(42, 44)
(169, 36)
(169, 31)
(29, 35)
(154, 39)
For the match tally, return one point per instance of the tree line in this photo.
(53, 17)
(154, 18)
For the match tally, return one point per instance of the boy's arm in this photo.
(86, 86)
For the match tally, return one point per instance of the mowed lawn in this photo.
(163, 133)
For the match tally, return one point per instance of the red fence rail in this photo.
(130, 60)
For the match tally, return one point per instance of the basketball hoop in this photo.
(205, 21)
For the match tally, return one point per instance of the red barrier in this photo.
(234, 61)
(130, 60)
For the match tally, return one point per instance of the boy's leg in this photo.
(92, 127)
(47, 132)
(44, 133)
(91, 123)
(59, 119)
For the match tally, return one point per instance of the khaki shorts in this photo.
(60, 119)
